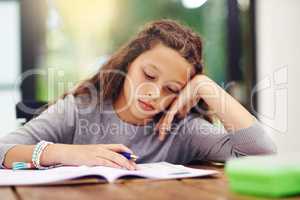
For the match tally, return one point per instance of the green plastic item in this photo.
(270, 176)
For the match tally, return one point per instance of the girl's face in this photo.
(153, 81)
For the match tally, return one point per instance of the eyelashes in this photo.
(168, 88)
(149, 77)
(176, 92)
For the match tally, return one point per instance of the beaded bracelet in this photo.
(37, 152)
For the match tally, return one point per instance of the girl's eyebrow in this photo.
(153, 66)
(180, 83)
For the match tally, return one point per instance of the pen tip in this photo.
(134, 157)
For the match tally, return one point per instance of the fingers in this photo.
(121, 148)
(107, 163)
(116, 158)
(118, 148)
(186, 108)
(183, 112)
(165, 122)
(134, 164)
(165, 126)
(158, 124)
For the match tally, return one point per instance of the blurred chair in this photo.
(28, 109)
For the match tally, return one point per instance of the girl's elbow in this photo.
(265, 149)
(259, 149)
(270, 149)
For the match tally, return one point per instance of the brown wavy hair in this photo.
(181, 38)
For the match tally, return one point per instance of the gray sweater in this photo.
(71, 121)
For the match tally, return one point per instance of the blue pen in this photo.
(129, 156)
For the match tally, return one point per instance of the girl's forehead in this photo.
(166, 60)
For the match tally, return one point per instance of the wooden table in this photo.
(215, 187)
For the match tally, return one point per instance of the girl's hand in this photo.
(184, 102)
(91, 155)
(231, 113)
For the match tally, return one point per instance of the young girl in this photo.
(151, 98)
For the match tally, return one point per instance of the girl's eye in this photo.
(172, 90)
(149, 77)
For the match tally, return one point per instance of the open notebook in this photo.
(159, 170)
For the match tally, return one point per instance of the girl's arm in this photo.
(243, 135)
(231, 113)
(205, 141)
(102, 154)
(24, 153)
(57, 125)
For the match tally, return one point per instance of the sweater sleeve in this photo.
(209, 142)
(55, 124)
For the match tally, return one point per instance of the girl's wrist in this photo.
(53, 154)
(205, 87)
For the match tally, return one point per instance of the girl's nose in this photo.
(149, 90)
(153, 94)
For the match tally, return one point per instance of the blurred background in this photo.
(251, 48)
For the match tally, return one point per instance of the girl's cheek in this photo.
(138, 91)
(141, 86)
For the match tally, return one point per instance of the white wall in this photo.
(278, 54)
(9, 63)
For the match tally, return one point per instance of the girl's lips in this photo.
(145, 106)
